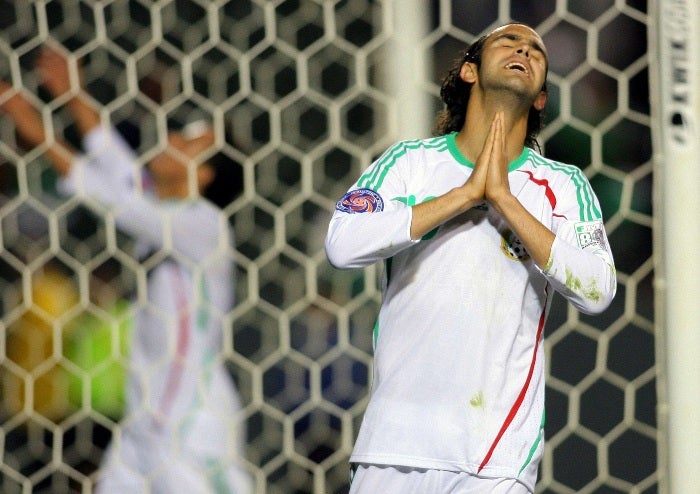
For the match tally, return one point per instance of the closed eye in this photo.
(537, 51)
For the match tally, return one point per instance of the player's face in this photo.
(181, 152)
(514, 57)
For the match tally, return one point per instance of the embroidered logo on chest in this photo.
(512, 247)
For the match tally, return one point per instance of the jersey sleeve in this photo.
(369, 224)
(106, 171)
(581, 265)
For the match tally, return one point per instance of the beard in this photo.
(513, 88)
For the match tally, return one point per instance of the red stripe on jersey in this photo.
(521, 397)
(547, 189)
(183, 340)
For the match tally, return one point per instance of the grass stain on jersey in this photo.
(590, 292)
(478, 400)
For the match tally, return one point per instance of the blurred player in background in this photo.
(476, 231)
(180, 433)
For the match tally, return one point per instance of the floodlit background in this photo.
(305, 93)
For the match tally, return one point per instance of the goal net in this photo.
(301, 93)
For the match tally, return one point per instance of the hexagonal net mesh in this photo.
(296, 92)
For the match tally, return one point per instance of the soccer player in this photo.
(179, 434)
(477, 231)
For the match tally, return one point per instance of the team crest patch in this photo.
(513, 247)
(590, 233)
(360, 201)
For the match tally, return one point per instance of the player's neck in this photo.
(472, 137)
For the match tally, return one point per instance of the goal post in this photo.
(407, 69)
(676, 133)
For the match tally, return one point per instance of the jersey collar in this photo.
(462, 160)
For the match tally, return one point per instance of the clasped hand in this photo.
(489, 181)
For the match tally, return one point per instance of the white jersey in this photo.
(180, 420)
(458, 379)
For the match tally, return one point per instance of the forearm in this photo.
(86, 116)
(584, 276)
(30, 126)
(431, 214)
(61, 156)
(536, 237)
(54, 69)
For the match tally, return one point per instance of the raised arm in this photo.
(30, 126)
(62, 76)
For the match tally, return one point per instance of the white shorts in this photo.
(370, 479)
(147, 460)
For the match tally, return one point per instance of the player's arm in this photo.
(581, 265)
(582, 271)
(584, 274)
(586, 277)
(431, 214)
(536, 237)
(30, 127)
(356, 240)
(61, 78)
(369, 224)
(488, 181)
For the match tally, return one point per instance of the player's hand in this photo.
(497, 185)
(475, 185)
(27, 119)
(54, 72)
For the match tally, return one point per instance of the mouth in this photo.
(517, 66)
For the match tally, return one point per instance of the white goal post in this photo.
(676, 104)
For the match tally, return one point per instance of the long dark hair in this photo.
(454, 93)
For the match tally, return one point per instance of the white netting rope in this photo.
(295, 91)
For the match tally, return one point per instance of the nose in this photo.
(523, 49)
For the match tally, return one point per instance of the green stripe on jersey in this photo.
(374, 177)
(584, 193)
(535, 445)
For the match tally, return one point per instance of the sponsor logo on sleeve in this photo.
(360, 201)
(590, 233)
